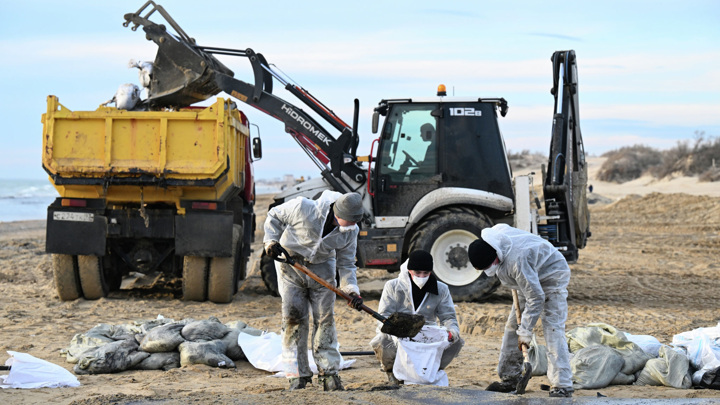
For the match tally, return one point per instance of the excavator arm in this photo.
(565, 182)
(185, 73)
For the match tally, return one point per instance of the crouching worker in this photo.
(416, 291)
(321, 235)
(528, 263)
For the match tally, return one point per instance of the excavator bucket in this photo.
(182, 72)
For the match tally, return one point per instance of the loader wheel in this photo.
(222, 280)
(92, 277)
(269, 275)
(447, 234)
(242, 259)
(194, 278)
(67, 279)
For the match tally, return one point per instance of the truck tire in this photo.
(194, 278)
(269, 274)
(446, 234)
(222, 280)
(92, 277)
(67, 280)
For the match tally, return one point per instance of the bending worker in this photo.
(538, 271)
(322, 235)
(416, 291)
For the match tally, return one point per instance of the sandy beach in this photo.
(650, 268)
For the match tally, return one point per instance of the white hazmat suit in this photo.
(298, 225)
(539, 272)
(438, 309)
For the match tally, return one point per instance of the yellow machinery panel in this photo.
(195, 152)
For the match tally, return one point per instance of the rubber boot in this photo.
(299, 383)
(330, 383)
(392, 379)
(502, 386)
(556, 392)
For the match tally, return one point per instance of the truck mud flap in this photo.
(75, 231)
(206, 234)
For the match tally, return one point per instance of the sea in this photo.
(24, 200)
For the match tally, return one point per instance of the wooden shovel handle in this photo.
(289, 260)
(518, 315)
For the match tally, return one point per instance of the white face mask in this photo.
(344, 229)
(420, 281)
(490, 271)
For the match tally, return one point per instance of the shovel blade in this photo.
(403, 325)
(524, 379)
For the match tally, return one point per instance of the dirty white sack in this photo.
(418, 358)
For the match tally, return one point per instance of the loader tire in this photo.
(222, 278)
(195, 278)
(446, 234)
(92, 277)
(269, 275)
(242, 257)
(67, 279)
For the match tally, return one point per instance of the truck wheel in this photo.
(447, 234)
(222, 282)
(269, 275)
(92, 277)
(65, 273)
(194, 279)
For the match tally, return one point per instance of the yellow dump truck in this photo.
(149, 193)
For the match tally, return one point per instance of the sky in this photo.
(649, 71)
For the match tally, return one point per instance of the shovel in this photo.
(397, 324)
(527, 367)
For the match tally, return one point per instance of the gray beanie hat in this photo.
(349, 207)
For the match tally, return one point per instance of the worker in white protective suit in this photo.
(416, 291)
(528, 263)
(322, 235)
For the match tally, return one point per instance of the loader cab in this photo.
(429, 144)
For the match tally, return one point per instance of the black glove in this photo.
(356, 301)
(272, 249)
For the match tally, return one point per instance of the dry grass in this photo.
(524, 159)
(701, 159)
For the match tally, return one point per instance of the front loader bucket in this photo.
(182, 73)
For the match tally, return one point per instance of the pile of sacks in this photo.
(157, 344)
(602, 355)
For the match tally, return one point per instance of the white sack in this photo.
(650, 344)
(702, 348)
(30, 372)
(264, 352)
(418, 358)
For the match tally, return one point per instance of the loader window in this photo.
(409, 143)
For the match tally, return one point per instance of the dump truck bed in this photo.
(195, 152)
